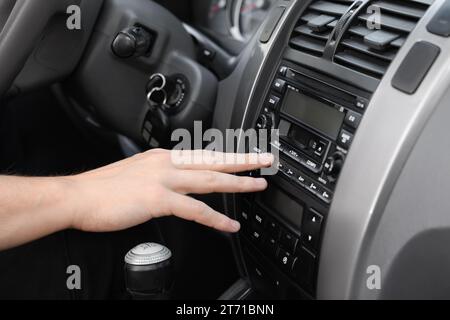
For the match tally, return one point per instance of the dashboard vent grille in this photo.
(370, 51)
(316, 25)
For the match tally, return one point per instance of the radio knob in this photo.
(265, 121)
(333, 166)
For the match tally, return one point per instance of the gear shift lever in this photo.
(148, 272)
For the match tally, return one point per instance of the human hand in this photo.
(151, 185)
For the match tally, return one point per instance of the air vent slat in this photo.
(371, 50)
(311, 45)
(359, 31)
(358, 46)
(315, 26)
(309, 16)
(362, 63)
(398, 43)
(304, 30)
(391, 22)
(332, 24)
(424, 2)
(400, 8)
(334, 9)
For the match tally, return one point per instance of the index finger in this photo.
(219, 161)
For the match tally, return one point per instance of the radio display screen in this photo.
(313, 113)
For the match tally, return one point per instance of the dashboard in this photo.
(234, 19)
(361, 116)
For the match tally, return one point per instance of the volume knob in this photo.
(333, 166)
(265, 121)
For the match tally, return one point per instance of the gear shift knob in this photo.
(148, 272)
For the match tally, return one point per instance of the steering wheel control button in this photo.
(279, 86)
(132, 42)
(353, 119)
(345, 139)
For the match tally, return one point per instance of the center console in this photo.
(282, 227)
(350, 104)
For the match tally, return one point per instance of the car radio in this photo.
(316, 124)
(282, 227)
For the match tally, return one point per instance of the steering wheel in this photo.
(23, 27)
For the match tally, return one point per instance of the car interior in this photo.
(358, 91)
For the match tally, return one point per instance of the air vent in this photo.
(371, 51)
(316, 24)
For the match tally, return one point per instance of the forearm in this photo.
(123, 195)
(31, 208)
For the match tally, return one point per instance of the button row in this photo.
(297, 157)
(305, 182)
(293, 255)
(265, 231)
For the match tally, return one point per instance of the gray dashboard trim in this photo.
(238, 93)
(385, 139)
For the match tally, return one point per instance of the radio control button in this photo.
(259, 219)
(333, 166)
(311, 165)
(361, 103)
(312, 187)
(345, 139)
(353, 119)
(285, 259)
(283, 70)
(279, 86)
(273, 102)
(256, 236)
(301, 179)
(324, 195)
(319, 147)
(273, 229)
(312, 226)
(277, 145)
(293, 154)
(265, 121)
(288, 241)
(290, 173)
(271, 246)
